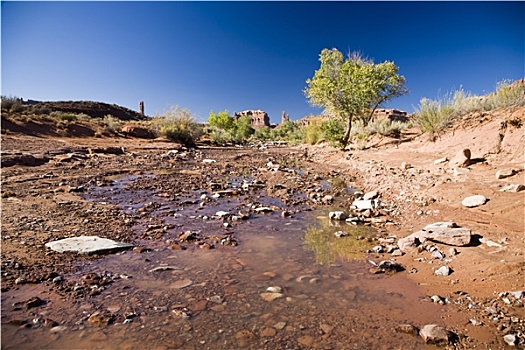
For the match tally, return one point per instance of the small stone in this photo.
(271, 296)
(452, 251)
(34, 302)
(340, 234)
(365, 204)
(279, 325)
(274, 289)
(181, 284)
(461, 159)
(474, 201)
(443, 271)
(504, 173)
(306, 340)
(405, 166)
(436, 254)
(407, 328)
(434, 334)
(441, 160)
(377, 249)
(327, 329)
(267, 332)
(513, 188)
(436, 298)
(510, 339)
(370, 195)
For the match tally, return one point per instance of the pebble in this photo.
(337, 215)
(340, 234)
(443, 271)
(434, 334)
(510, 339)
(271, 296)
(474, 201)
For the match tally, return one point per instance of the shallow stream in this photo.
(220, 298)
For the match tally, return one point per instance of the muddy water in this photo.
(213, 299)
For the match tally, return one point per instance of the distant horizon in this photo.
(236, 56)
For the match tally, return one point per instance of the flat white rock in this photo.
(87, 245)
(474, 201)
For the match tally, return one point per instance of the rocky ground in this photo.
(58, 187)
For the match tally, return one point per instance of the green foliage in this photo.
(221, 120)
(354, 87)
(11, 104)
(243, 129)
(333, 131)
(178, 125)
(224, 129)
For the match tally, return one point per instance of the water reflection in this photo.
(330, 247)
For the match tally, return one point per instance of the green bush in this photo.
(178, 125)
(333, 131)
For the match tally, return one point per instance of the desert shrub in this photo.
(432, 117)
(313, 134)
(11, 104)
(219, 136)
(386, 127)
(112, 124)
(179, 125)
(64, 117)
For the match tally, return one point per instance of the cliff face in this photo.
(259, 118)
(93, 109)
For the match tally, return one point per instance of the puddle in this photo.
(213, 299)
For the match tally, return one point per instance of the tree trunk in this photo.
(346, 138)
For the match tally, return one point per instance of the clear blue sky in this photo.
(249, 55)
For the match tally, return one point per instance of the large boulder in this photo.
(141, 132)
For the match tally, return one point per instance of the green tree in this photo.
(221, 120)
(353, 87)
(243, 128)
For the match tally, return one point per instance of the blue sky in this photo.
(249, 55)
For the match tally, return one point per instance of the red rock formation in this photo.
(259, 118)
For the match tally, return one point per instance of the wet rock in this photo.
(271, 296)
(181, 284)
(474, 201)
(361, 204)
(510, 339)
(274, 289)
(407, 328)
(504, 173)
(443, 271)
(87, 245)
(337, 215)
(100, 318)
(388, 266)
(108, 150)
(34, 302)
(340, 234)
(163, 268)
(434, 334)
(461, 159)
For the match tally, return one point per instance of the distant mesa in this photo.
(259, 118)
(93, 109)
